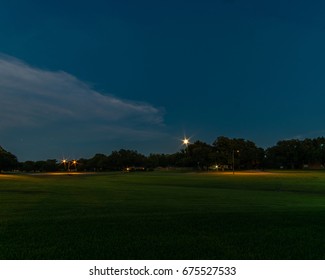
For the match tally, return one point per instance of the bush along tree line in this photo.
(223, 154)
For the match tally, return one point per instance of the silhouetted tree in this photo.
(98, 162)
(201, 155)
(8, 161)
(244, 153)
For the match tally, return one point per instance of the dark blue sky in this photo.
(80, 77)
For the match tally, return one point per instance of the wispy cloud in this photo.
(47, 102)
(309, 134)
(34, 96)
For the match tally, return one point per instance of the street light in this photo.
(68, 163)
(64, 161)
(186, 141)
(74, 162)
(233, 160)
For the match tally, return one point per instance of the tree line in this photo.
(224, 153)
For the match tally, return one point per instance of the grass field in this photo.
(163, 215)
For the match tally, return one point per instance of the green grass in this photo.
(163, 215)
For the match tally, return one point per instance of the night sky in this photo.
(85, 77)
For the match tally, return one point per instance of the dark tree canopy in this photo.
(244, 153)
(224, 152)
(8, 161)
(297, 154)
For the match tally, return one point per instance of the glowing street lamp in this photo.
(67, 164)
(186, 141)
(74, 162)
(64, 161)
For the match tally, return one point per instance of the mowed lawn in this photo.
(163, 215)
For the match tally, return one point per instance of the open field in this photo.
(163, 215)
